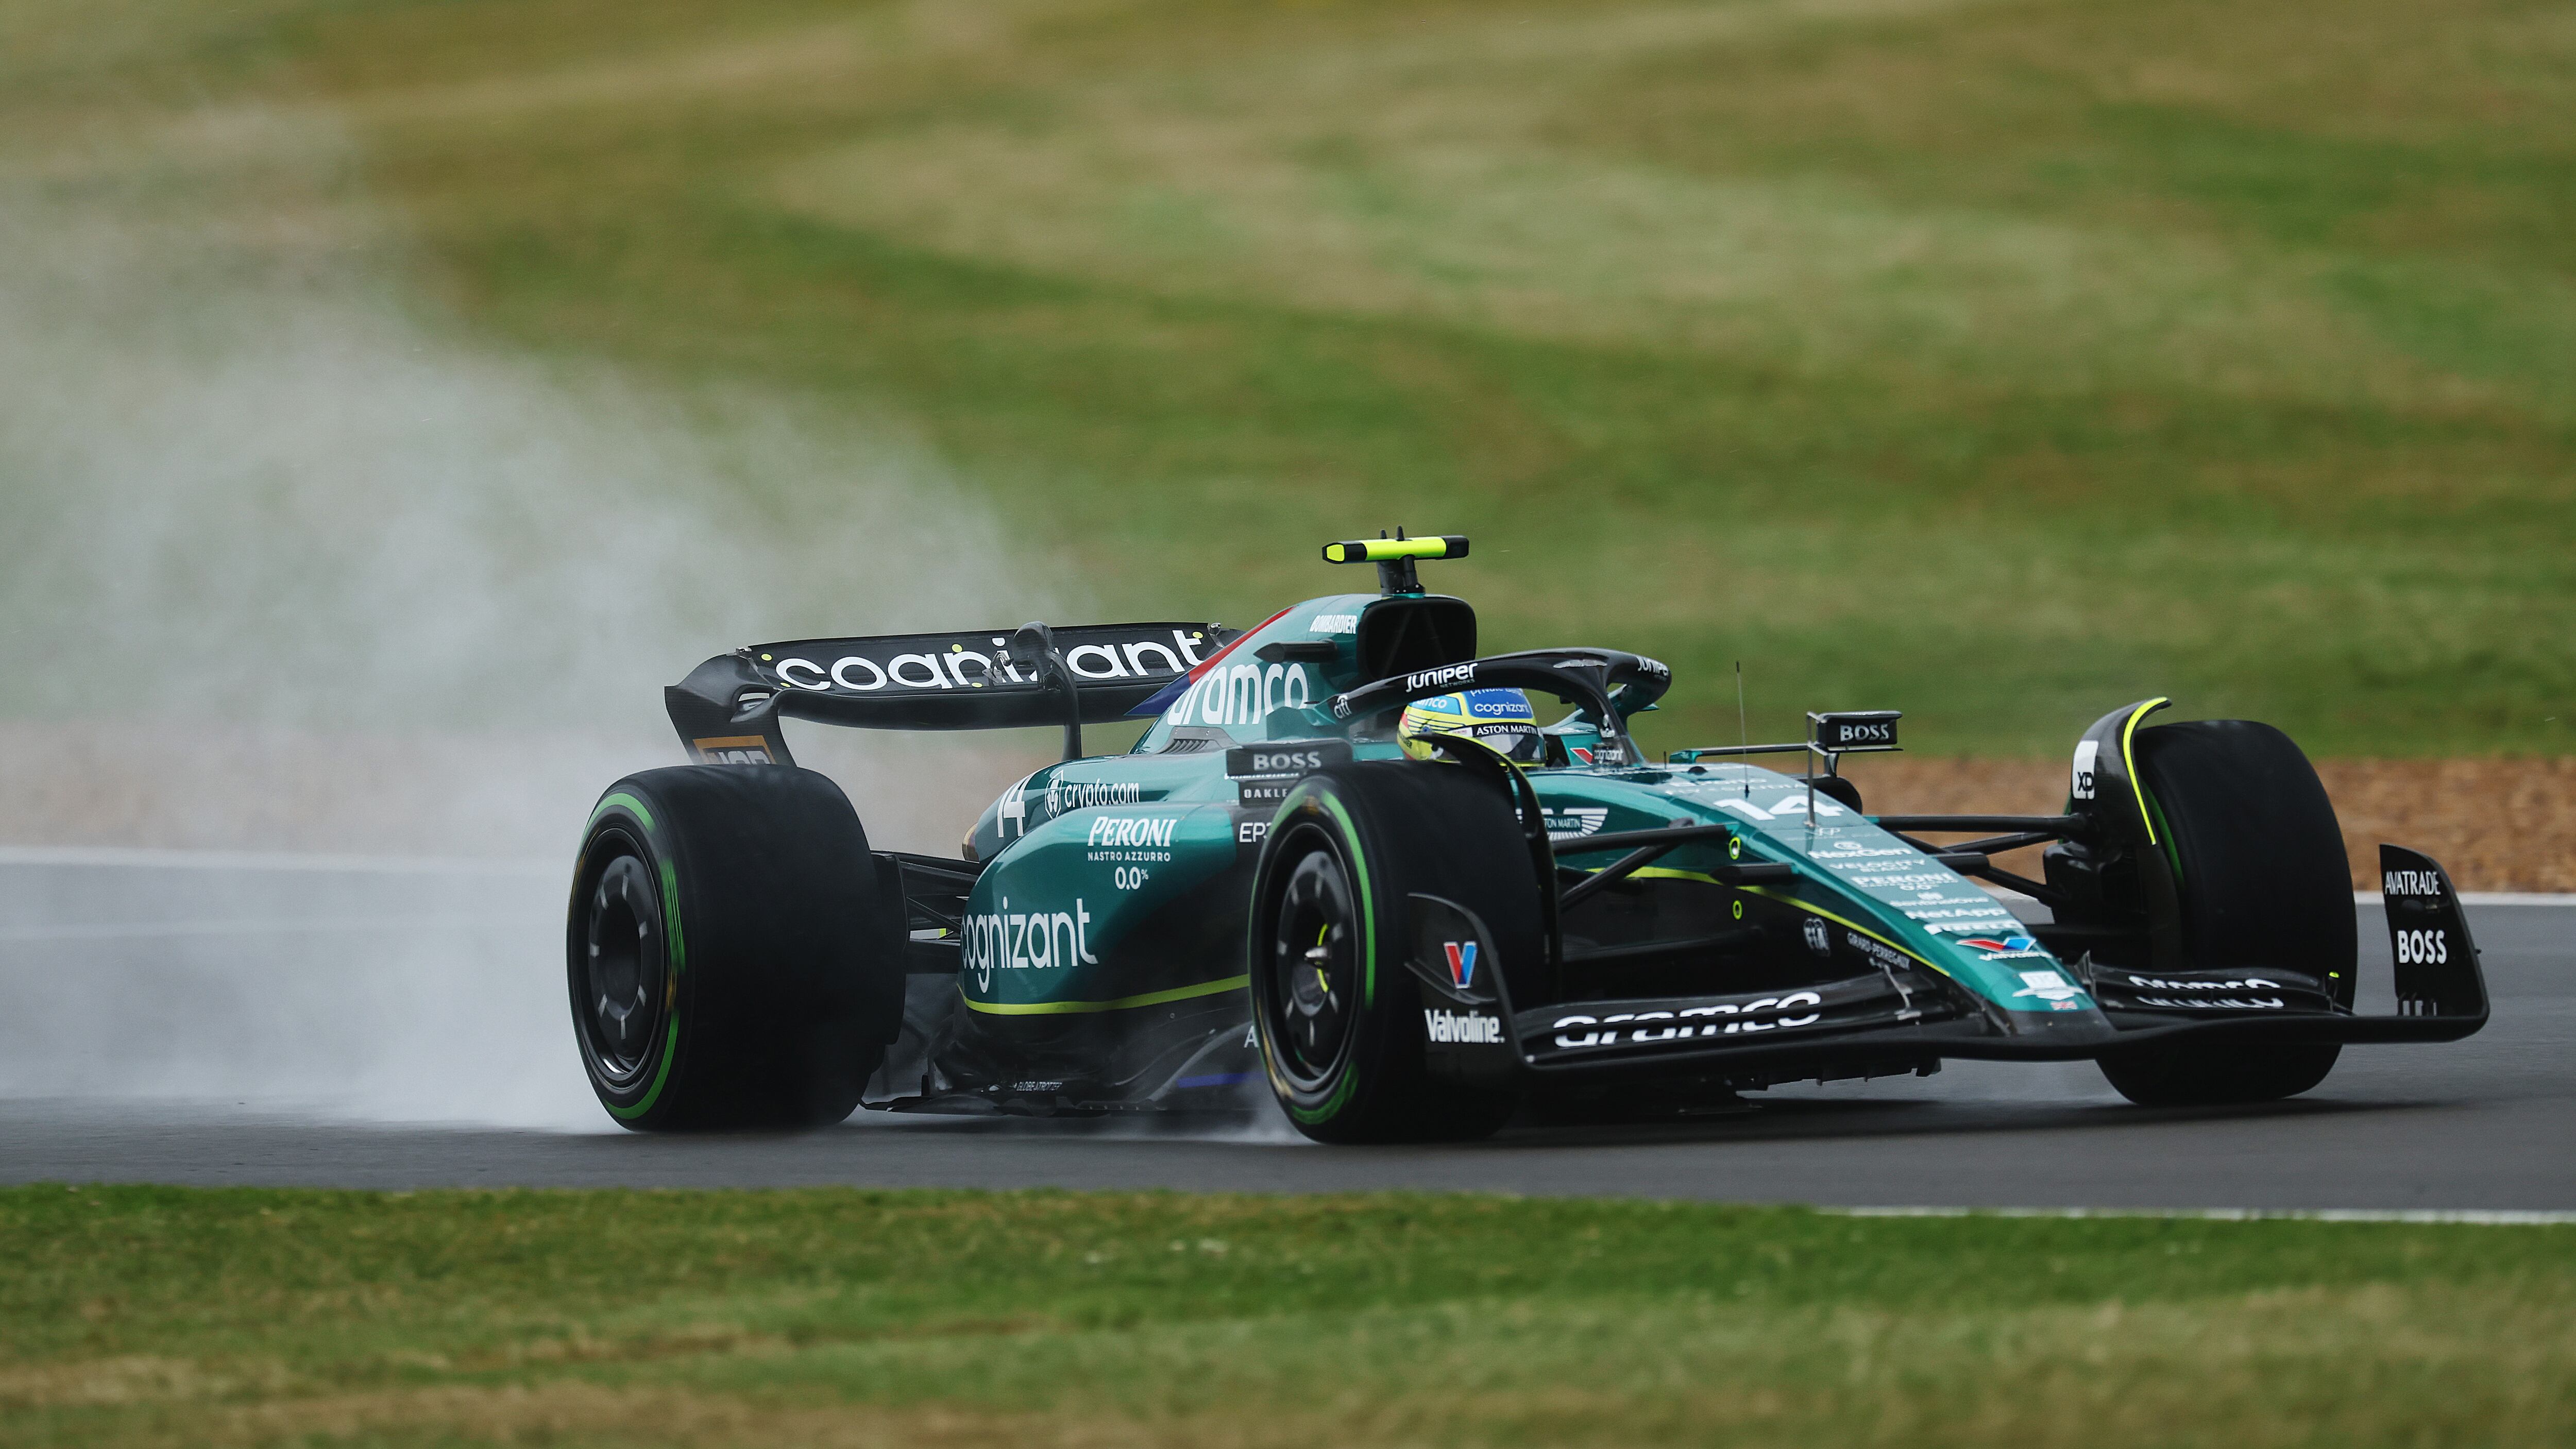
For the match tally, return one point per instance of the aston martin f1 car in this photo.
(1269, 889)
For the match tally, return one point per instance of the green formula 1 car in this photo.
(1416, 935)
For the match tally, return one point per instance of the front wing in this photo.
(1871, 1024)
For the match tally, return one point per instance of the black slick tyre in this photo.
(2258, 865)
(731, 959)
(1338, 1014)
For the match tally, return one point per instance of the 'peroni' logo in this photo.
(1123, 831)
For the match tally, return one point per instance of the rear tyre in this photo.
(1338, 1015)
(2258, 863)
(731, 958)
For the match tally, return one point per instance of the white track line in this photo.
(120, 857)
(2485, 1217)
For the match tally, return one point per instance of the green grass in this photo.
(159, 1315)
(2000, 361)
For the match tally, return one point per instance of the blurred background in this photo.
(394, 394)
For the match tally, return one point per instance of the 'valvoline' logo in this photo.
(1462, 961)
(2011, 944)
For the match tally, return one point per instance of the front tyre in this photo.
(1338, 1015)
(731, 960)
(2258, 864)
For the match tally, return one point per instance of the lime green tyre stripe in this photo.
(1341, 1099)
(1368, 904)
(1332, 1106)
(676, 943)
(661, 1077)
(621, 800)
(674, 954)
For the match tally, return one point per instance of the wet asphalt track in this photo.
(255, 1020)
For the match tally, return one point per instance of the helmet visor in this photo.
(1515, 740)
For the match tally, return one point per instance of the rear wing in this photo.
(728, 710)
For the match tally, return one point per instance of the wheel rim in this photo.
(622, 967)
(1314, 960)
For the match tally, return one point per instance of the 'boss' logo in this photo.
(2424, 948)
(1869, 730)
(1285, 761)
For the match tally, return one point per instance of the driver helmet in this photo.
(1499, 719)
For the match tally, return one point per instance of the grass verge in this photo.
(158, 1315)
(2003, 362)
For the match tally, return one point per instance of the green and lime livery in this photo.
(1696, 926)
